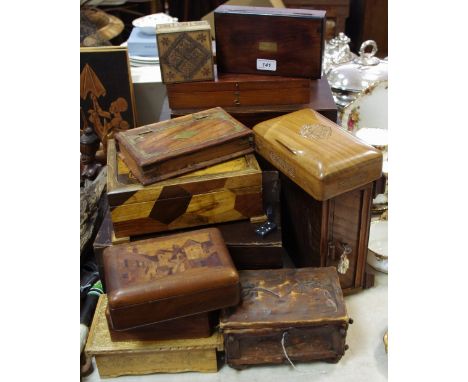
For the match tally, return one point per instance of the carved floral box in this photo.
(295, 314)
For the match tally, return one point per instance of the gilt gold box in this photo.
(138, 357)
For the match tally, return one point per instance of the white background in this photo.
(40, 196)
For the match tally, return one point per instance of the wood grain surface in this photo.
(164, 278)
(293, 38)
(320, 100)
(224, 192)
(303, 308)
(311, 226)
(170, 148)
(195, 326)
(317, 154)
(237, 90)
(247, 249)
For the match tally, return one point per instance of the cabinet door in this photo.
(348, 235)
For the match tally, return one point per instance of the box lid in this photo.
(185, 26)
(167, 267)
(165, 140)
(317, 154)
(287, 298)
(239, 82)
(123, 188)
(100, 342)
(268, 11)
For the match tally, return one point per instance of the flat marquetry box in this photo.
(185, 51)
(224, 192)
(135, 357)
(270, 41)
(167, 149)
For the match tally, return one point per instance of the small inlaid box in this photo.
(185, 52)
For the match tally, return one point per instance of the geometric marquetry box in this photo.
(228, 191)
(185, 51)
(137, 357)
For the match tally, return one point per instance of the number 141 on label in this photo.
(263, 64)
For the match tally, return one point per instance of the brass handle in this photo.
(197, 117)
(343, 264)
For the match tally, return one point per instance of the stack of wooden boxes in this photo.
(268, 63)
(168, 292)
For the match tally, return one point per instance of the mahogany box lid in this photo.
(286, 298)
(169, 277)
(317, 154)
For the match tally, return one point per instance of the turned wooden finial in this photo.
(89, 145)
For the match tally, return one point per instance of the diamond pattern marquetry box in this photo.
(185, 52)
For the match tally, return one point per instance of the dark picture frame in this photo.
(107, 101)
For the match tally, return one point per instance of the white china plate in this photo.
(102, 2)
(145, 59)
(377, 256)
(141, 60)
(148, 23)
(369, 110)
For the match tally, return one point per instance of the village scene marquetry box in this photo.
(147, 280)
(295, 314)
(224, 192)
(185, 51)
(138, 357)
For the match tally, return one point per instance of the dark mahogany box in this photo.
(271, 41)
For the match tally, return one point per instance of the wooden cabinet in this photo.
(334, 232)
(368, 20)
